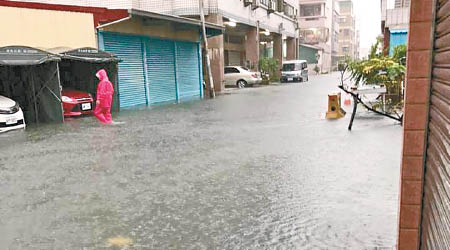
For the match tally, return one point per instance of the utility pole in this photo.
(257, 45)
(212, 93)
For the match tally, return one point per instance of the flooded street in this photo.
(258, 168)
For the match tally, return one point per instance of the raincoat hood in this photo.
(101, 74)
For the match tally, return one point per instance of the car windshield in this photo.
(292, 66)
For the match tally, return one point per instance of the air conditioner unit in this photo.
(255, 4)
(248, 2)
(272, 6)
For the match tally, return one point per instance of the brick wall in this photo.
(415, 124)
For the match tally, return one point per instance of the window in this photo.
(264, 2)
(231, 70)
(346, 32)
(314, 36)
(311, 10)
(292, 67)
(345, 49)
(289, 10)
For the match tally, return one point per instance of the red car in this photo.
(77, 103)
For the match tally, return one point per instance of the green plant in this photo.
(316, 69)
(375, 50)
(379, 70)
(399, 54)
(270, 66)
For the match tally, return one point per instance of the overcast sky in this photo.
(368, 20)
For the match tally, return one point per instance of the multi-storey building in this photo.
(319, 32)
(394, 23)
(253, 28)
(347, 33)
(357, 45)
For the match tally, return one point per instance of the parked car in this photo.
(296, 71)
(77, 103)
(241, 77)
(11, 115)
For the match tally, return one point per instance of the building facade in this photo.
(358, 45)
(254, 28)
(394, 23)
(347, 32)
(160, 55)
(319, 29)
(402, 3)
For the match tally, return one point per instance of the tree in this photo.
(381, 70)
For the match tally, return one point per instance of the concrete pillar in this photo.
(252, 48)
(387, 40)
(216, 54)
(291, 45)
(278, 48)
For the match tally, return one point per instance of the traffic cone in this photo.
(347, 101)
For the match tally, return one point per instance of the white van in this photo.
(296, 71)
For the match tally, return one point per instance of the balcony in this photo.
(397, 17)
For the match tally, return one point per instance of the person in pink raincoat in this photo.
(105, 91)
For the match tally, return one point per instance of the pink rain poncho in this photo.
(105, 91)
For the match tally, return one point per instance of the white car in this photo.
(11, 115)
(241, 77)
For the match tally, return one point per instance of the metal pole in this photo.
(212, 93)
(60, 89)
(34, 97)
(257, 45)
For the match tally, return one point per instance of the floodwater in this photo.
(256, 168)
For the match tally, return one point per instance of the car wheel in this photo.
(241, 84)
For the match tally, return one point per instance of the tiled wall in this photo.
(415, 124)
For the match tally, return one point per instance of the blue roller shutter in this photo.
(132, 88)
(188, 70)
(161, 70)
(398, 37)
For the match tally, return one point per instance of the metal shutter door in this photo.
(132, 90)
(436, 210)
(161, 70)
(234, 58)
(188, 70)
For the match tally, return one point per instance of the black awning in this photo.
(22, 55)
(89, 55)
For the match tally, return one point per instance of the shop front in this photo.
(160, 56)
